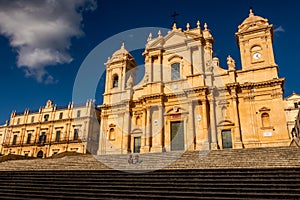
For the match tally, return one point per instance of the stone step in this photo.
(162, 184)
(228, 158)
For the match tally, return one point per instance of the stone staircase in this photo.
(79, 162)
(272, 183)
(262, 173)
(279, 157)
(271, 157)
(149, 161)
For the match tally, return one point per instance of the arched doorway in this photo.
(40, 154)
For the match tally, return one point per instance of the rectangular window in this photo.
(57, 138)
(60, 115)
(18, 121)
(175, 71)
(46, 118)
(15, 139)
(42, 138)
(28, 138)
(76, 131)
(32, 119)
(78, 113)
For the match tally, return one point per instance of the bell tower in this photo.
(255, 38)
(120, 75)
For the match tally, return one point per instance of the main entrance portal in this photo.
(137, 144)
(177, 136)
(226, 139)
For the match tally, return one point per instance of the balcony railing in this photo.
(42, 143)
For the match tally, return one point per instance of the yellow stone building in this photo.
(187, 101)
(52, 130)
(291, 108)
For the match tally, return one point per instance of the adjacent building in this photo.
(3, 131)
(291, 108)
(52, 130)
(187, 101)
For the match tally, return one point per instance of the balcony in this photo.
(41, 143)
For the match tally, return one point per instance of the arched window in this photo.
(112, 134)
(175, 71)
(115, 81)
(265, 120)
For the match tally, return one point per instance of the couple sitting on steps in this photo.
(134, 160)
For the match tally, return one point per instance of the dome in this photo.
(122, 51)
(253, 19)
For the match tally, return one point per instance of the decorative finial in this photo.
(205, 26)
(159, 33)
(251, 12)
(174, 26)
(187, 26)
(149, 37)
(198, 24)
(123, 45)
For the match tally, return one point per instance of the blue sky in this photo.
(44, 43)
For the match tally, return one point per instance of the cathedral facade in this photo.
(187, 101)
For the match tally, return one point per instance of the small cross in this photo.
(174, 15)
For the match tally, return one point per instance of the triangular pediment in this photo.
(293, 96)
(172, 38)
(264, 109)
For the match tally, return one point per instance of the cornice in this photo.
(273, 82)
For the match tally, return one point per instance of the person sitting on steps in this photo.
(137, 160)
(130, 159)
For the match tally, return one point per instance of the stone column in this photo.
(151, 70)
(160, 70)
(205, 145)
(213, 131)
(157, 135)
(37, 134)
(22, 136)
(238, 144)
(126, 131)
(144, 126)
(102, 135)
(50, 140)
(145, 143)
(191, 132)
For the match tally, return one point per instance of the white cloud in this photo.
(41, 31)
(279, 29)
